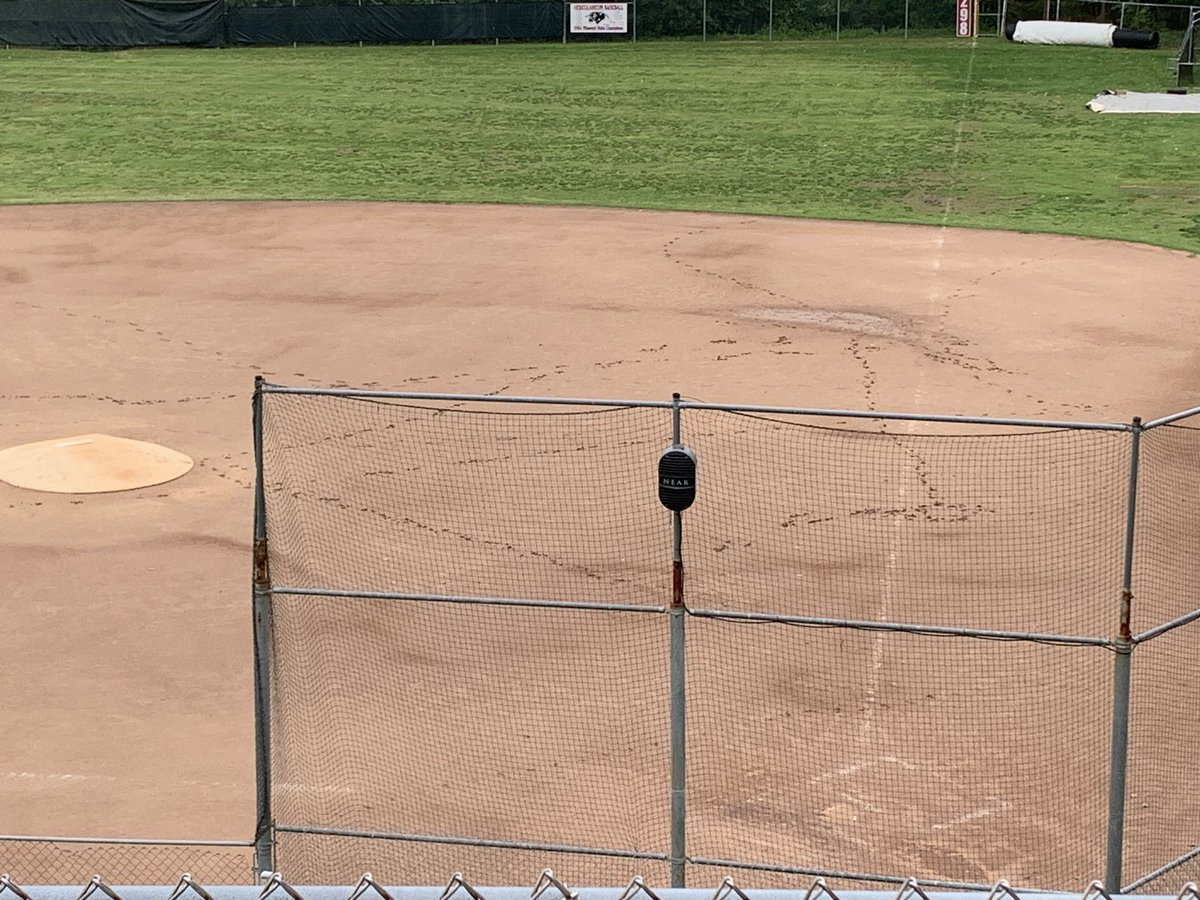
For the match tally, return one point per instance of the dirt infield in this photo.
(127, 669)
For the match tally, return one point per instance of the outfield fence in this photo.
(877, 646)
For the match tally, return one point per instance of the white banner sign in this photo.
(599, 18)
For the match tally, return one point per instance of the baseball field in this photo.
(928, 225)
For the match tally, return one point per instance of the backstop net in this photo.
(899, 643)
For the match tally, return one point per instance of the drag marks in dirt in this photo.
(508, 547)
(121, 332)
(939, 346)
(122, 401)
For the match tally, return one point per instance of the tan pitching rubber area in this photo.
(91, 464)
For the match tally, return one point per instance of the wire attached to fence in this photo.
(186, 882)
(637, 885)
(1003, 887)
(726, 887)
(368, 883)
(547, 880)
(1094, 889)
(276, 881)
(457, 881)
(909, 888)
(97, 884)
(7, 884)
(819, 887)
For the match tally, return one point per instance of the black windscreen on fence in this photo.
(112, 23)
(394, 24)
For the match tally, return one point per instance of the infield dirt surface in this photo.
(127, 662)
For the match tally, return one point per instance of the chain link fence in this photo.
(876, 647)
(50, 860)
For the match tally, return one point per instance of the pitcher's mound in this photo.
(90, 464)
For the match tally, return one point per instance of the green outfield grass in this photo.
(920, 130)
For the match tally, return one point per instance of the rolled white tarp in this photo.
(1087, 34)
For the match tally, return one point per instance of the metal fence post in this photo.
(678, 691)
(1119, 759)
(264, 839)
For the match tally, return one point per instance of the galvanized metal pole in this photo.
(704, 20)
(678, 692)
(264, 839)
(1119, 757)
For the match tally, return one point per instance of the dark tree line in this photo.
(731, 18)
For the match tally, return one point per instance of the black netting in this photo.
(1163, 799)
(838, 749)
(377, 496)
(887, 753)
(1018, 532)
(527, 725)
(1166, 574)
(325, 859)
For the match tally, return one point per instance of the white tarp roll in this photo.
(1133, 102)
(1087, 34)
(599, 18)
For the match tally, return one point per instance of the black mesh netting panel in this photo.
(1017, 532)
(329, 859)
(535, 725)
(840, 749)
(1163, 798)
(1166, 574)
(1162, 806)
(949, 759)
(959, 760)
(376, 496)
(58, 862)
(512, 724)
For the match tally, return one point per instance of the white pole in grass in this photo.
(771, 20)
(838, 32)
(704, 20)
(906, 19)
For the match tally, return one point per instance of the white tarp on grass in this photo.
(1087, 34)
(1133, 102)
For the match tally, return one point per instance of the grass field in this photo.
(923, 130)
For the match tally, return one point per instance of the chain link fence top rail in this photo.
(548, 882)
(423, 689)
